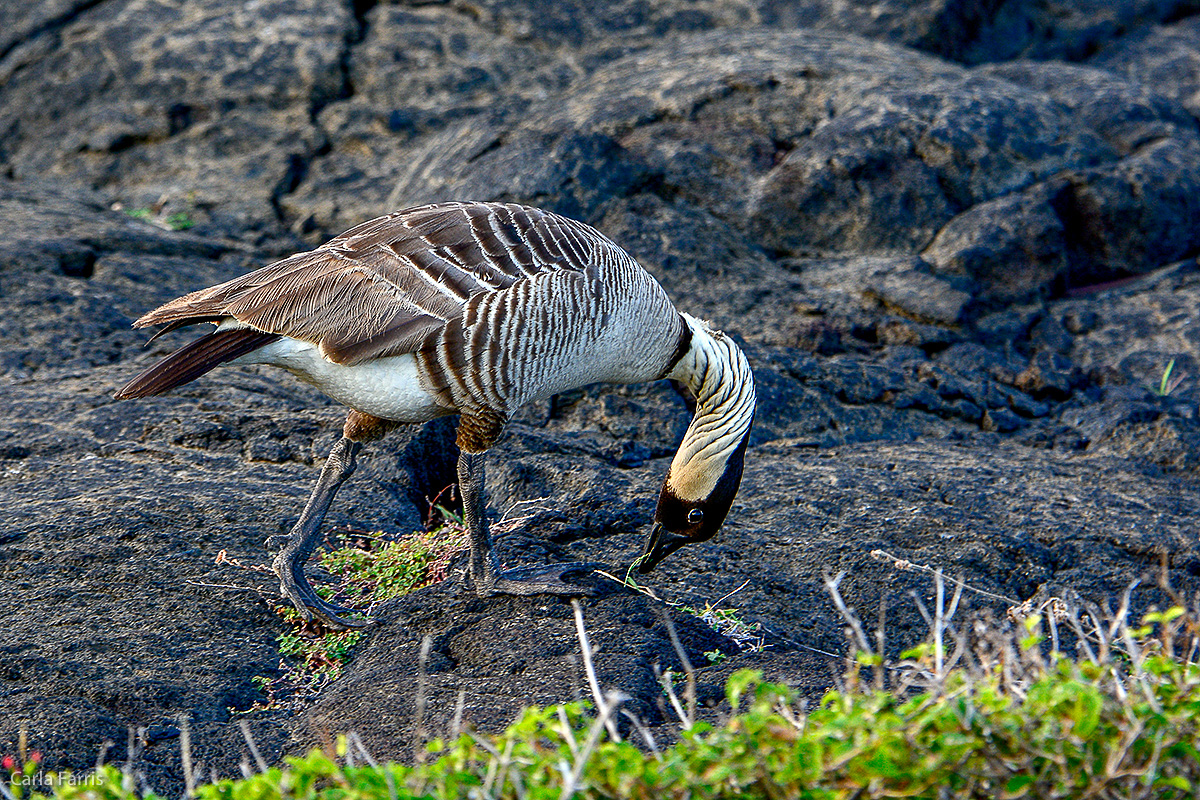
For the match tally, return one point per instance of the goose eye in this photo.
(695, 516)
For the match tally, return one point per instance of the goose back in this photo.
(501, 304)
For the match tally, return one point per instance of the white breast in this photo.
(383, 387)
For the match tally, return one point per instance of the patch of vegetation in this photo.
(369, 570)
(726, 621)
(176, 221)
(1167, 383)
(1002, 712)
(310, 660)
(373, 570)
(1019, 724)
(179, 221)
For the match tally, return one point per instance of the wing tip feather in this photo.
(193, 360)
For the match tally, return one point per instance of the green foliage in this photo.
(311, 659)
(727, 622)
(369, 571)
(715, 657)
(178, 221)
(1019, 725)
(1166, 383)
(372, 574)
(19, 771)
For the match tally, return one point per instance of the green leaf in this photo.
(1018, 783)
(739, 682)
(1088, 706)
(1175, 782)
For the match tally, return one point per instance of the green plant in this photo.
(373, 570)
(20, 771)
(177, 221)
(1011, 721)
(727, 622)
(369, 570)
(180, 221)
(1166, 383)
(747, 635)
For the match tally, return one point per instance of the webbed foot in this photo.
(294, 585)
(302, 541)
(536, 579)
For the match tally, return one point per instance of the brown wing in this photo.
(193, 360)
(383, 287)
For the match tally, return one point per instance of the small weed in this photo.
(180, 222)
(19, 772)
(725, 621)
(310, 660)
(177, 221)
(1167, 383)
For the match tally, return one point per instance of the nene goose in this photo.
(472, 309)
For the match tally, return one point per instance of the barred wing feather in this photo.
(384, 287)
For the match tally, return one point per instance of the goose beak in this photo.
(660, 545)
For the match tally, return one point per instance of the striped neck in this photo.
(717, 373)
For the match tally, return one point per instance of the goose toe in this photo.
(295, 587)
(540, 579)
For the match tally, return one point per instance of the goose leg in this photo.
(304, 537)
(484, 573)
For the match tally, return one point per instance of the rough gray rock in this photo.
(1165, 57)
(1014, 247)
(959, 288)
(800, 139)
(1068, 31)
(974, 33)
(203, 110)
(1127, 114)
(503, 654)
(807, 144)
(1083, 227)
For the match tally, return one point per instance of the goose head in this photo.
(705, 474)
(684, 516)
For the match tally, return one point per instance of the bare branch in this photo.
(590, 669)
(831, 585)
(641, 728)
(690, 692)
(185, 754)
(258, 759)
(421, 700)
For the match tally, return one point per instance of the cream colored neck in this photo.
(716, 371)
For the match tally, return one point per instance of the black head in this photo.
(679, 521)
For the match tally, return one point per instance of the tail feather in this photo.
(194, 359)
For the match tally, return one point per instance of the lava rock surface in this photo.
(958, 244)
